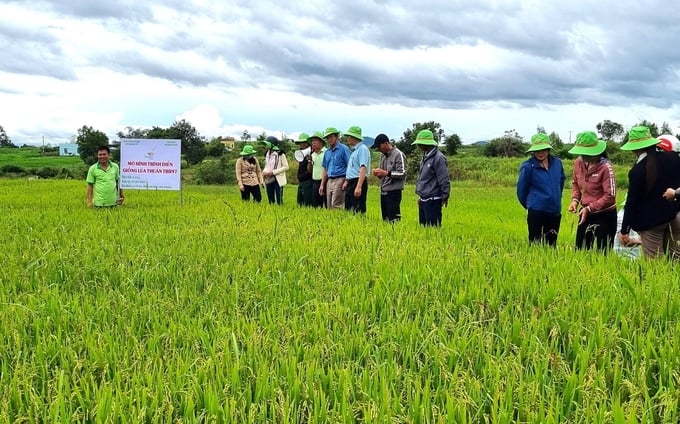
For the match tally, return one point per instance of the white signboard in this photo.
(150, 164)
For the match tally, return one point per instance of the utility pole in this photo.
(569, 136)
(43, 152)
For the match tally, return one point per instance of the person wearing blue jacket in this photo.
(539, 190)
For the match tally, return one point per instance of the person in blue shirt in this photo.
(356, 183)
(539, 190)
(334, 165)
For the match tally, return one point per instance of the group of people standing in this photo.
(651, 207)
(335, 175)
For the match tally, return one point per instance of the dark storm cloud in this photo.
(602, 53)
(32, 51)
(607, 54)
(171, 68)
(117, 9)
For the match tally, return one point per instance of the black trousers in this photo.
(304, 193)
(318, 201)
(599, 229)
(430, 212)
(254, 190)
(390, 205)
(355, 204)
(543, 227)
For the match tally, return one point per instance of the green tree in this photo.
(452, 143)
(130, 132)
(245, 137)
(5, 141)
(511, 144)
(215, 148)
(405, 143)
(556, 141)
(88, 141)
(609, 130)
(665, 128)
(193, 145)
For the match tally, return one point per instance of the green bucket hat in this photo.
(354, 132)
(587, 144)
(247, 150)
(426, 138)
(319, 135)
(539, 141)
(330, 131)
(639, 138)
(302, 138)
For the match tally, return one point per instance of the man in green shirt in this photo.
(102, 181)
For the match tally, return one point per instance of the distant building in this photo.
(229, 142)
(68, 149)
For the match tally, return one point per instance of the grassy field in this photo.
(33, 158)
(220, 311)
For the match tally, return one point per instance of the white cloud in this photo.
(477, 67)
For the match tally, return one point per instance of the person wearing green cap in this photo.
(334, 165)
(593, 188)
(539, 191)
(316, 167)
(249, 175)
(433, 186)
(304, 173)
(646, 210)
(356, 182)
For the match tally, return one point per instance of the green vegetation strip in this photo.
(220, 311)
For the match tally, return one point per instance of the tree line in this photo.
(195, 147)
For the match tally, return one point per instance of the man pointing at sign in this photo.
(102, 182)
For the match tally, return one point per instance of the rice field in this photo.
(213, 310)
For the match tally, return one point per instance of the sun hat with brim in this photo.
(639, 138)
(425, 138)
(331, 131)
(354, 132)
(247, 150)
(317, 134)
(539, 141)
(587, 144)
(302, 138)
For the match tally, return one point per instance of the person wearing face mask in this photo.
(593, 193)
(249, 175)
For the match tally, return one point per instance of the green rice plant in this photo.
(215, 310)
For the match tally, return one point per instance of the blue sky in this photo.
(478, 68)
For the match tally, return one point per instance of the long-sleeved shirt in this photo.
(540, 189)
(594, 185)
(247, 173)
(394, 162)
(433, 181)
(644, 208)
